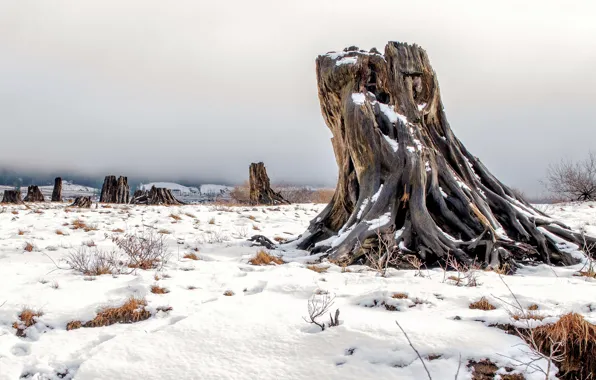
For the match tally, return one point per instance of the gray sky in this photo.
(199, 89)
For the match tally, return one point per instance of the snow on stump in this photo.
(115, 191)
(260, 187)
(12, 196)
(34, 194)
(155, 196)
(406, 184)
(82, 202)
(57, 192)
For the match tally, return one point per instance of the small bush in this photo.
(163, 231)
(518, 316)
(78, 224)
(27, 318)
(145, 250)
(118, 230)
(212, 221)
(264, 258)
(131, 311)
(21, 232)
(93, 262)
(482, 304)
(59, 232)
(156, 289)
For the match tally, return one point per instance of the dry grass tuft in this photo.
(118, 230)
(15, 212)
(264, 258)
(533, 307)
(400, 296)
(28, 247)
(131, 311)
(59, 232)
(317, 268)
(191, 287)
(255, 227)
(27, 318)
(164, 232)
(192, 256)
(156, 289)
(175, 217)
(21, 232)
(280, 239)
(78, 224)
(212, 221)
(190, 215)
(228, 293)
(527, 315)
(482, 304)
(578, 341)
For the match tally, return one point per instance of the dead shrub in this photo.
(28, 247)
(228, 293)
(518, 316)
(156, 289)
(212, 221)
(93, 262)
(255, 227)
(21, 232)
(144, 249)
(400, 296)
(27, 318)
(533, 307)
(577, 338)
(191, 256)
(59, 232)
(118, 230)
(163, 231)
(317, 269)
(78, 224)
(264, 258)
(131, 311)
(280, 239)
(482, 304)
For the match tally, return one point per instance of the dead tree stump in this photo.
(12, 196)
(57, 192)
(155, 196)
(115, 191)
(82, 202)
(407, 185)
(260, 187)
(34, 194)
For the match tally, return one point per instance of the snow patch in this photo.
(358, 98)
(393, 116)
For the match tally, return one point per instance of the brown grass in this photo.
(28, 247)
(131, 311)
(591, 273)
(78, 224)
(164, 232)
(175, 217)
(400, 296)
(578, 339)
(192, 256)
(280, 239)
(212, 221)
(264, 258)
(527, 315)
(21, 232)
(533, 307)
(317, 269)
(156, 289)
(59, 232)
(255, 227)
(118, 230)
(482, 304)
(15, 212)
(190, 215)
(27, 318)
(228, 293)
(252, 217)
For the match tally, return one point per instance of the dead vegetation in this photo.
(133, 310)
(93, 261)
(156, 289)
(264, 258)
(191, 256)
(482, 304)
(144, 249)
(228, 293)
(316, 268)
(318, 305)
(28, 247)
(27, 318)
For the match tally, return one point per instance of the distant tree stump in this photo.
(82, 202)
(57, 193)
(155, 196)
(12, 196)
(260, 187)
(34, 194)
(115, 191)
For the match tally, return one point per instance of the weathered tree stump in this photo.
(406, 183)
(82, 202)
(155, 196)
(260, 187)
(12, 196)
(57, 192)
(34, 194)
(115, 191)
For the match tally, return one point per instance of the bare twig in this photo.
(416, 351)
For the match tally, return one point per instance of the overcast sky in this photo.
(199, 89)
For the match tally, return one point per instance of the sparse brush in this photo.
(93, 262)
(191, 256)
(144, 250)
(533, 307)
(264, 258)
(317, 269)
(59, 232)
(131, 311)
(118, 230)
(156, 289)
(526, 315)
(190, 215)
(191, 287)
(280, 239)
(27, 318)
(255, 227)
(78, 224)
(21, 232)
(482, 304)
(163, 231)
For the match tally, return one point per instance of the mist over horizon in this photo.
(198, 90)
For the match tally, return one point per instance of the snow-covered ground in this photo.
(259, 331)
(69, 190)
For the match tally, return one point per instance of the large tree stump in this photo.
(260, 187)
(12, 196)
(82, 202)
(155, 196)
(115, 191)
(406, 183)
(57, 192)
(34, 194)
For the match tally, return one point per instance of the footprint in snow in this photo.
(21, 350)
